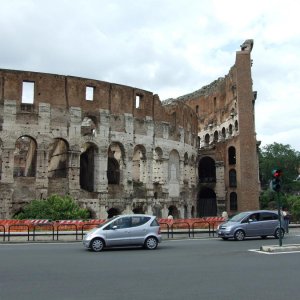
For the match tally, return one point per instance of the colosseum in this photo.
(118, 149)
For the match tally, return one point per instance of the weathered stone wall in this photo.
(119, 149)
(74, 138)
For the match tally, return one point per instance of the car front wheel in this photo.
(239, 235)
(97, 245)
(151, 243)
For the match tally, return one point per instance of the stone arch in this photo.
(206, 202)
(138, 209)
(115, 163)
(87, 166)
(89, 126)
(139, 166)
(174, 167)
(113, 211)
(207, 169)
(58, 159)
(25, 157)
(173, 211)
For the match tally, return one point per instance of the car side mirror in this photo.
(250, 220)
(115, 227)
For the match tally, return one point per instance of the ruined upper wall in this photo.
(216, 102)
(63, 92)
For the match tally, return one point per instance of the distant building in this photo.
(118, 149)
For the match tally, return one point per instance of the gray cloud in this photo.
(170, 47)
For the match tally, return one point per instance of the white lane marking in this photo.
(272, 253)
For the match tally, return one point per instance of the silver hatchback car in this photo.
(261, 223)
(125, 230)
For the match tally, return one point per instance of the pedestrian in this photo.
(286, 219)
(225, 215)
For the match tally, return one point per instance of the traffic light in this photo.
(276, 181)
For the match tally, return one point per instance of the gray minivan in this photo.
(251, 223)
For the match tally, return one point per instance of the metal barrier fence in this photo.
(56, 230)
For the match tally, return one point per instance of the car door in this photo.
(138, 229)
(252, 225)
(117, 233)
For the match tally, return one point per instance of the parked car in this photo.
(251, 223)
(125, 230)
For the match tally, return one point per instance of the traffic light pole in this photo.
(279, 217)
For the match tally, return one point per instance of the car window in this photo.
(154, 223)
(238, 217)
(267, 216)
(254, 217)
(124, 222)
(139, 220)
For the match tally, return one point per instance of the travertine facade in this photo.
(119, 149)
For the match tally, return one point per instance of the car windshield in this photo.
(238, 217)
(108, 220)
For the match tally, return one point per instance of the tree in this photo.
(54, 208)
(279, 156)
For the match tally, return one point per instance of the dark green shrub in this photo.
(53, 208)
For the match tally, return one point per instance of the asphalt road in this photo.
(178, 269)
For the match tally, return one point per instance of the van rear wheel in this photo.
(276, 234)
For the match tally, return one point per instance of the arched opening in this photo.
(231, 155)
(58, 159)
(232, 178)
(223, 132)
(138, 210)
(230, 129)
(25, 157)
(113, 171)
(173, 211)
(115, 163)
(207, 170)
(207, 203)
(113, 212)
(233, 201)
(88, 126)
(236, 125)
(206, 138)
(216, 136)
(87, 167)
(139, 164)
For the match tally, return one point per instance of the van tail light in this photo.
(158, 231)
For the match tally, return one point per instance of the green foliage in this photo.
(293, 205)
(282, 157)
(54, 208)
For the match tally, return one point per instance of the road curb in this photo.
(284, 248)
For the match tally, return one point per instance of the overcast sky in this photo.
(168, 47)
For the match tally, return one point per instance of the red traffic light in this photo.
(277, 173)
